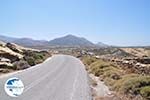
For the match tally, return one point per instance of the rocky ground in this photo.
(14, 57)
(118, 74)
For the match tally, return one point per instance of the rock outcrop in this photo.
(15, 57)
(14, 47)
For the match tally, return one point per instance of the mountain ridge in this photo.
(71, 40)
(67, 41)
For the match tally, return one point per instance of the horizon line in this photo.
(75, 36)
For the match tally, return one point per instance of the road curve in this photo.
(61, 77)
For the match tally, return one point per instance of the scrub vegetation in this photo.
(129, 84)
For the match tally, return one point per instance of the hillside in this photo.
(28, 42)
(139, 52)
(71, 40)
(6, 38)
(14, 57)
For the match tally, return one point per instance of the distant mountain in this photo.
(30, 42)
(66, 41)
(7, 39)
(100, 44)
(27, 42)
(71, 40)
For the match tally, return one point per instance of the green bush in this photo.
(31, 61)
(133, 84)
(88, 60)
(105, 69)
(33, 57)
(9, 67)
(109, 81)
(97, 67)
(120, 82)
(112, 72)
(145, 92)
(38, 56)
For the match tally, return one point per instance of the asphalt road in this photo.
(61, 77)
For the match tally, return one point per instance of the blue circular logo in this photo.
(14, 87)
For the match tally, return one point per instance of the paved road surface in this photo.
(61, 77)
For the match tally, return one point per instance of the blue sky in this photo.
(114, 22)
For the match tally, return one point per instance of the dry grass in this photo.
(134, 85)
(130, 85)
